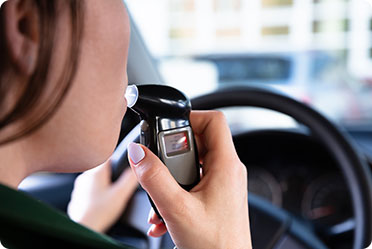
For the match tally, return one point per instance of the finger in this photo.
(157, 230)
(126, 184)
(103, 170)
(201, 147)
(98, 178)
(211, 128)
(156, 179)
(153, 218)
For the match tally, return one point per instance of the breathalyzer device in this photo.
(166, 130)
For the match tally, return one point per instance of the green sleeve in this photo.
(28, 223)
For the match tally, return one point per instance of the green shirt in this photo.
(28, 223)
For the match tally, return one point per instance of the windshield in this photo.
(318, 56)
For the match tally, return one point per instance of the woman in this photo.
(62, 81)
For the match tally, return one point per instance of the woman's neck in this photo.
(12, 165)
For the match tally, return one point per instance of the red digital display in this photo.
(176, 143)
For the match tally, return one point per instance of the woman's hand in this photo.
(214, 214)
(96, 202)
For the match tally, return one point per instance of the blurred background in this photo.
(318, 51)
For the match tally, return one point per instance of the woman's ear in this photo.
(21, 24)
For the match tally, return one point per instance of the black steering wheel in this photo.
(355, 171)
(280, 230)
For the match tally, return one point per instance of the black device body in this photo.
(166, 131)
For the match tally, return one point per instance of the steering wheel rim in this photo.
(354, 170)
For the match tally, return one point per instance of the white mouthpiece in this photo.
(131, 95)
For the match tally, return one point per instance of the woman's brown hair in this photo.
(28, 104)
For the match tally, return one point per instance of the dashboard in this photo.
(293, 171)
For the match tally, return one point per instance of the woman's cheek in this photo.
(98, 91)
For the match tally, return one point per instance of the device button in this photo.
(144, 126)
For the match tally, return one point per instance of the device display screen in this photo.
(176, 143)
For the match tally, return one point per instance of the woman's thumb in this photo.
(154, 176)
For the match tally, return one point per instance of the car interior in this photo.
(309, 183)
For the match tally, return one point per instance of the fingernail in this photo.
(135, 153)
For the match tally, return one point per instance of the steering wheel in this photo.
(354, 170)
(281, 230)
